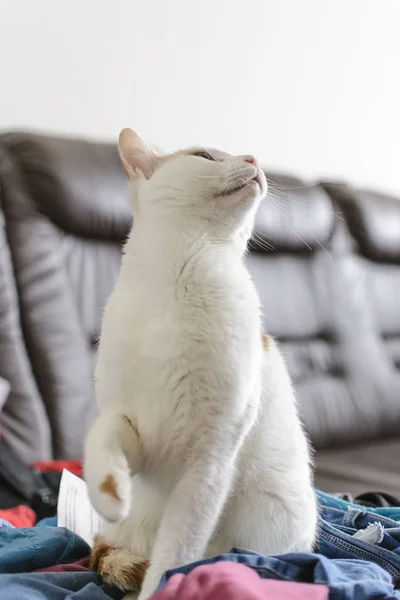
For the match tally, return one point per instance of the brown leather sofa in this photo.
(325, 258)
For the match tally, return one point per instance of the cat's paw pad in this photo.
(117, 566)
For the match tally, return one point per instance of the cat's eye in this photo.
(204, 154)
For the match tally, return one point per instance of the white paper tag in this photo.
(74, 510)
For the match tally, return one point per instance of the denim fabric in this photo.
(339, 542)
(55, 586)
(338, 529)
(346, 579)
(328, 501)
(28, 549)
(357, 557)
(47, 522)
(31, 548)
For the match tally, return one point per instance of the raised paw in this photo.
(117, 566)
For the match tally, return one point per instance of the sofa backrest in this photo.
(66, 214)
(331, 297)
(325, 258)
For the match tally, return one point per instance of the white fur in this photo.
(198, 423)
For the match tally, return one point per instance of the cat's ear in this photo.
(136, 155)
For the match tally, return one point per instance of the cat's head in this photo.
(204, 190)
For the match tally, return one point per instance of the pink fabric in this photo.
(232, 581)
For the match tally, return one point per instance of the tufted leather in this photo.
(334, 308)
(373, 220)
(325, 258)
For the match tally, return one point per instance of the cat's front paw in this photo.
(151, 582)
(117, 566)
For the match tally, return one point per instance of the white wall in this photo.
(310, 86)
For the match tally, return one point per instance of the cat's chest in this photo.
(151, 333)
(212, 300)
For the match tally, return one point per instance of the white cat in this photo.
(198, 447)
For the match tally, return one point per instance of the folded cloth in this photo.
(19, 516)
(357, 533)
(53, 548)
(224, 580)
(31, 548)
(358, 559)
(346, 579)
(56, 586)
(74, 466)
(80, 565)
(329, 501)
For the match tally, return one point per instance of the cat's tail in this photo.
(112, 456)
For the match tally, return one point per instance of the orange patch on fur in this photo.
(109, 487)
(266, 341)
(117, 566)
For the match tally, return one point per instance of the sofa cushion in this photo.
(66, 214)
(24, 424)
(373, 220)
(334, 307)
(295, 218)
(328, 294)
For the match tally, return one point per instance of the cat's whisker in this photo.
(261, 242)
(275, 197)
(302, 239)
(274, 184)
(338, 216)
(286, 196)
(285, 214)
(279, 207)
(322, 246)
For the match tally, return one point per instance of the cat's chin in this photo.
(255, 183)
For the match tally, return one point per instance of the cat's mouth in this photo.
(257, 181)
(254, 181)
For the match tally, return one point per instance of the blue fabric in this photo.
(357, 556)
(48, 522)
(28, 549)
(343, 525)
(55, 586)
(328, 501)
(31, 548)
(346, 579)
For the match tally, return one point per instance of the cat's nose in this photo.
(251, 159)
